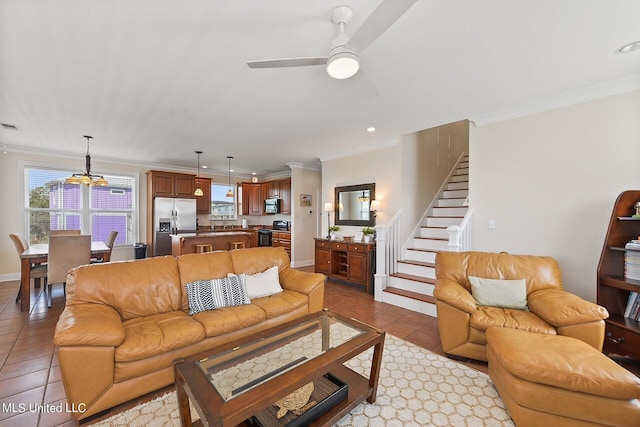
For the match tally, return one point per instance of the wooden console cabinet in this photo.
(622, 335)
(351, 262)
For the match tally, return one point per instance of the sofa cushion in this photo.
(159, 333)
(194, 267)
(229, 319)
(281, 303)
(499, 293)
(485, 317)
(210, 294)
(133, 288)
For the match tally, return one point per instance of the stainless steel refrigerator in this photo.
(171, 216)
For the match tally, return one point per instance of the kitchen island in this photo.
(219, 240)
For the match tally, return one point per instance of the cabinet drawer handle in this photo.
(614, 340)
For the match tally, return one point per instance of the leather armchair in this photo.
(462, 323)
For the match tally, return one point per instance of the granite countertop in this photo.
(212, 233)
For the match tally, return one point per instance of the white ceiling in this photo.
(154, 80)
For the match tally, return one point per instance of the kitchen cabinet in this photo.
(351, 262)
(284, 193)
(622, 334)
(170, 184)
(203, 203)
(252, 199)
(253, 195)
(282, 239)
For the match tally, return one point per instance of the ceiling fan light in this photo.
(343, 64)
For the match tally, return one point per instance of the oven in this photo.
(264, 237)
(265, 234)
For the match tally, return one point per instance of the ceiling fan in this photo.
(343, 60)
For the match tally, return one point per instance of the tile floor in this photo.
(29, 369)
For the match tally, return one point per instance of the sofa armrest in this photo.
(301, 281)
(89, 324)
(455, 295)
(560, 308)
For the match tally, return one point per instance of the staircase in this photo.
(411, 286)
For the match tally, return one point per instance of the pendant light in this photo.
(198, 191)
(230, 192)
(87, 178)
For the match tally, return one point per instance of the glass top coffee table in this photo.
(237, 380)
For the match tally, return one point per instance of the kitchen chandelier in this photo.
(229, 193)
(87, 178)
(363, 198)
(198, 191)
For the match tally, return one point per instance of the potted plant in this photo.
(368, 233)
(332, 231)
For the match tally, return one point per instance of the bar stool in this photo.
(202, 248)
(237, 245)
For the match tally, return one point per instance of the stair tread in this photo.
(410, 294)
(415, 262)
(423, 250)
(414, 278)
(431, 238)
(434, 227)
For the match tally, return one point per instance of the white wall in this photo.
(549, 181)
(381, 167)
(304, 218)
(427, 159)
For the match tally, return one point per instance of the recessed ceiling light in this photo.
(371, 129)
(629, 47)
(204, 166)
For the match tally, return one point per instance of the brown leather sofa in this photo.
(125, 322)
(462, 323)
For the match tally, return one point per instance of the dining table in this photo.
(39, 254)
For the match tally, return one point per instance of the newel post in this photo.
(380, 277)
(455, 237)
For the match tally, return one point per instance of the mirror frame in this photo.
(357, 222)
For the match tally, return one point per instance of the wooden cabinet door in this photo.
(203, 203)
(285, 194)
(323, 261)
(184, 185)
(357, 272)
(255, 201)
(163, 184)
(246, 192)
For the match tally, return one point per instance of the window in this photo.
(222, 207)
(52, 204)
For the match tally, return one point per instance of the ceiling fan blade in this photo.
(289, 62)
(388, 12)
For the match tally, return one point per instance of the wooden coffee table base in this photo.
(193, 385)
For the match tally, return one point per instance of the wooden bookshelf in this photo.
(622, 335)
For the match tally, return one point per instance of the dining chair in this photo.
(38, 271)
(64, 232)
(65, 253)
(111, 240)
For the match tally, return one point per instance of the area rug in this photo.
(416, 388)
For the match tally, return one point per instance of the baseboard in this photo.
(9, 277)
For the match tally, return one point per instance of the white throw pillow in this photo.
(499, 293)
(263, 284)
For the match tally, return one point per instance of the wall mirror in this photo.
(352, 205)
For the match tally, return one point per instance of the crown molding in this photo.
(603, 90)
(390, 143)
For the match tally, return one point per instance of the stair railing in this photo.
(460, 235)
(388, 250)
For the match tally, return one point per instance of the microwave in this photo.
(272, 206)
